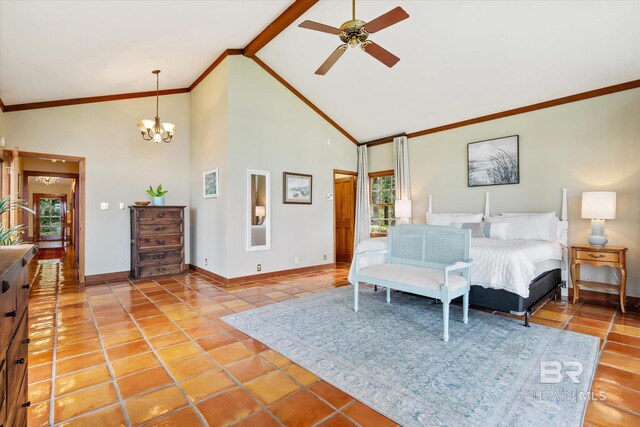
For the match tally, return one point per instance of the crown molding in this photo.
(634, 84)
(1, 105)
(293, 12)
(89, 100)
(303, 99)
(213, 66)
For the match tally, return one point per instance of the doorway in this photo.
(51, 217)
(59, 228)
(344, 190)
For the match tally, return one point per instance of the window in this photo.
(382, 186)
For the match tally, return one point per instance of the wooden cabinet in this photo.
(607, 256)
(157, 241)
(14, 341)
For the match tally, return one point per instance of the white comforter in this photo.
(498, 264)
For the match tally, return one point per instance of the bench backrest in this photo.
(431, 246)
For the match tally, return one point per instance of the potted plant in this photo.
(157, 195)
(12, 235)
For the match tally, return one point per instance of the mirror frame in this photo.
(267, 221)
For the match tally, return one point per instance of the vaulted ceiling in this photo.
(459, 60)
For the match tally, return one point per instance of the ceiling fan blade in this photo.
(331, 60)
(388, 19)
(381, 54)
(311, 25)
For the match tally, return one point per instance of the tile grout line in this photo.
(54, 350)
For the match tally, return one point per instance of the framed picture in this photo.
(210, 183)
(297, 188)
(493, 162)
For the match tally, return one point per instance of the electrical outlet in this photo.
(324, 257)
(122, 205)
(206, 261)
(259, 267)
(104, 206)
(296, 260)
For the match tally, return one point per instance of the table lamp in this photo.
(598, 206)
(403, 211)
(261, 212)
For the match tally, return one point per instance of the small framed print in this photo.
(210, 183)
(297, 188)
(493, 162)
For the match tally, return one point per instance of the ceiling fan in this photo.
(355, 32)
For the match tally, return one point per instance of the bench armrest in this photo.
(460, 265)
(365, 254)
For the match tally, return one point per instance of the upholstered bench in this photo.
(428, 260)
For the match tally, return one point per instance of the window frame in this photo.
(380, 174)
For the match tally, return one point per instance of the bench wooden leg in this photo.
(355, 296)
(388, 295)
(465, 308)
(445, 318)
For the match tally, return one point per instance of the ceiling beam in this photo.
(304, 99)
(293, 12)
(213, 66)
(89, 100)
(634, 84)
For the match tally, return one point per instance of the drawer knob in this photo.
(27, 286)
(20, 361)
(596, 256)
(26, 341)
(12, 313)
(160, 242)
(5, 286)
(26, 404)
(24, 262)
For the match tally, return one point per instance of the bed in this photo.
(512, 276)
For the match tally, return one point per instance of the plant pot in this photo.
(158, 201)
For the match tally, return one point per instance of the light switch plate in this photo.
(104, 206)
(122, 205)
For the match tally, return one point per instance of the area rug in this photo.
(392, 358)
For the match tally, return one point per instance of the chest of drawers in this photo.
(14, 341)
(157, 241)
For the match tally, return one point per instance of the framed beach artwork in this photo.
(297, 188)
(493, 162)
(210, 183)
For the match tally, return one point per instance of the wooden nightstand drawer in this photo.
(598, 256)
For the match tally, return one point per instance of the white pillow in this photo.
(488, 230)
(450, 218)
(529, 226)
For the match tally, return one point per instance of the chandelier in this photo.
(47, 180)
(153, 130)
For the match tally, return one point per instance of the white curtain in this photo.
(363, 213)
(401, 167)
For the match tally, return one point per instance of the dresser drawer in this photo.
(17, 361)
(153, 258)
(159, 242)
(22, 292)
(597, 256)
(160, 228)
(156, 214)
(8, 308)
(3, 393)
(159, 270)
(17, 409)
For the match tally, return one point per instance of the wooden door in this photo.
(345, 207)
(50, 216)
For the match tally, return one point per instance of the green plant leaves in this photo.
(159, 192)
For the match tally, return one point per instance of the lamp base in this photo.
(597, 241)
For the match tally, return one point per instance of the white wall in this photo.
(209, 118)
(583, 146)
(271, 129)
(119, 164)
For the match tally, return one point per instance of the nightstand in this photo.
(607, 256)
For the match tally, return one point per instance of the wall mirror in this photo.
(259, 210)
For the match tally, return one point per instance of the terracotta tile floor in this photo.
(155, 353)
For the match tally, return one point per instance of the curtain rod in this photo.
(384, 140)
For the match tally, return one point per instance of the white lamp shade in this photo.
(147, 124)
(169, 128)
(599, 205)
(261, 211)
(403, 209)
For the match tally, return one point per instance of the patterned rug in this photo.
(392, 358)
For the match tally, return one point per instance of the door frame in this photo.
(36, 206)
(340, 172)
(79, 202)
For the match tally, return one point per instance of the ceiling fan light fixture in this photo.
(154, 130)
